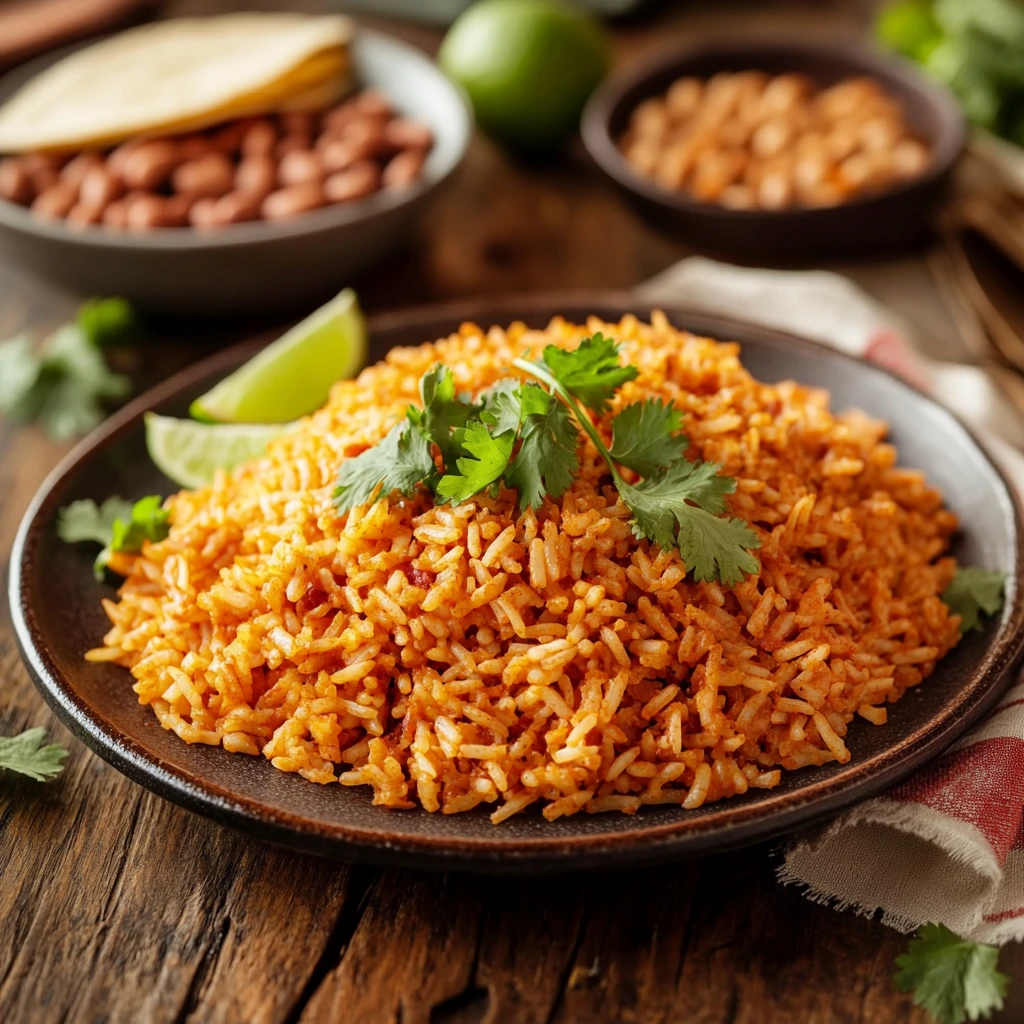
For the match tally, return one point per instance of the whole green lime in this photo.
(528, 67)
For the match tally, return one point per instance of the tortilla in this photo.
(178, 75)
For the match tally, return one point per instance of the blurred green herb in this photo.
(28, 755)
(117, 525)
(64, 383)
(976, 48)
(952, 978)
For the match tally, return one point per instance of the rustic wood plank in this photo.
(117, 906)
(527, 947)
(722, 941)
(414, 948)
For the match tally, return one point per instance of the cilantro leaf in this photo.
(476, 474)
(974, 591)
(401, 461)
(85, 520)
(592, 372)
(502, 405)
(27, 755)
(19, 370)
(712, 547)
(117, 524)
(107, 322)
(952, 978)
(644, 436)
(546, 462)
(62, 386)
(148, 520)
(443, 412)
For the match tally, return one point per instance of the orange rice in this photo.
(450, 657)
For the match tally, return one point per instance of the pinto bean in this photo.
(293, 200)
(149, 165)
(404, 169)
(15, 182)
(356, 182)
(210, 175)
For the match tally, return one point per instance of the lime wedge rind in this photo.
(190, 453)
(292, 376)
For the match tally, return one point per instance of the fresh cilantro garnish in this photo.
(117, 524)
(592, 372)
(502, 404)
(953, 979)
(482, 467)
(973, 592)
(678, 507)
(401, 461)
(27, 754)
(681, 508)
(64, 384)
(149, 520)
(85, 520)
(546, 462)
(645, 436)
(523, 435)
(443, 412)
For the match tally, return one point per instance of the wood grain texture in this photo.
(116, 906)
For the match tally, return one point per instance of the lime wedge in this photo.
(292, 376)
(190, 453)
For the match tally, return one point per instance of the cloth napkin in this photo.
(946, 846)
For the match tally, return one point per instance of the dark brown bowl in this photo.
(891, 219)
(55, 605)
(263, 264)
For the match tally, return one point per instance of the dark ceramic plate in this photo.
(57, 616)
(895, 217)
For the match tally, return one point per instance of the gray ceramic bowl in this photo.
(260, 265)
(896, 217)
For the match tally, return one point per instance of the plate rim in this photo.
(729, 825)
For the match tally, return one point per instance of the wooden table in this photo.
(115, 905)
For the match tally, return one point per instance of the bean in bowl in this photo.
(258, 168)
(748, 140)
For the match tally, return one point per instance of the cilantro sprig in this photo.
(525, 435)
(28, 754)
(117, 525)
(974, 592)
(64, 384)
(679, 503)
(954, 979)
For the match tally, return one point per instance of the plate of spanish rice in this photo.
(559, 582)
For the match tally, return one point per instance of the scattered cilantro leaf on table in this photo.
(65, 382)
(28, 755)
(645, 436)
(974, 592)
(526, 435)
(117, 524)
(107, 322)
(952, 978)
